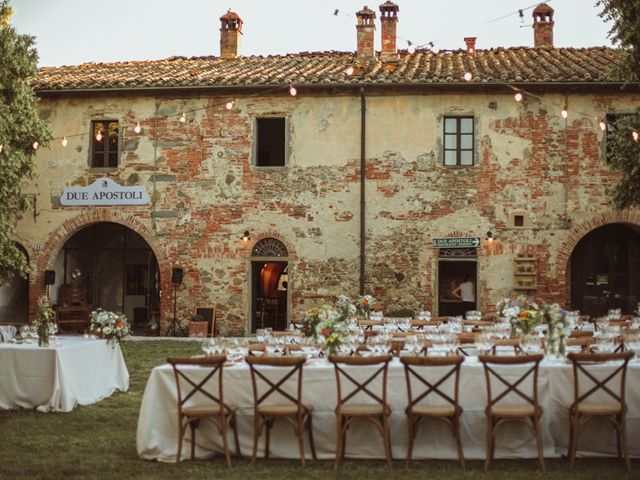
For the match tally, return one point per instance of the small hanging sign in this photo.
(456, 242)
(104, 191)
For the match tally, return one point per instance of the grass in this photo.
(99, 441)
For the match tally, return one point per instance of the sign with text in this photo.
(104, 191)
(456, 242)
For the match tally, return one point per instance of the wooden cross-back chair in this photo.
(290, 407)
(421, 324)
(528, 412)
(348, 410)
(514, 343)
(415, 369)
(614, 410)
(191, 411)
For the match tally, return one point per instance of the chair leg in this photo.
(180, 435)
(268, 425)
(234, 426)
(536, 429)
(193, 440)
(343, 451)
(625, 444)
(300, 434)
(489, 446)
(256, 427)
(456, 434)
(225, 443)
(411, 433)
(575, 425)
(311, 444)
(618, 435)
(386, 436)
(339, 440)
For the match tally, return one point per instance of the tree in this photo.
(20, 126)
(623, 149)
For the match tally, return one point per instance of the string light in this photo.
(411, 48)
(564, 113)
(349, 71)
(1, 147)
(292, 91)
(229, 105)
(137, 128)
(518, 96)
(603, 124)
(99, 136)
(35, 145)
(634, 134)
(64, 141)
(183, 118)
(468, 76)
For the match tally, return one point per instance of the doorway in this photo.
(107, 265)
(605, 270)
(452, 270)
(270, 286)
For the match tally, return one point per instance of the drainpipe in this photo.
(363, 124)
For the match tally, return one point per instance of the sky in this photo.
(69, 32)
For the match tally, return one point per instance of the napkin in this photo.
(7, 332)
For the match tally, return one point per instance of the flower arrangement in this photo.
(521, 312)
(558, 328)
(363, 305)
(45, 317)
(110, 325)
(346, 307)
(526, 320)
(330, 329)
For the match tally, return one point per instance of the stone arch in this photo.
(291, 255)
(62, 233)
(576, 234)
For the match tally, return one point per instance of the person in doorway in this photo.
(466, 292)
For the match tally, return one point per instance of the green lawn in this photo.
(99, 441)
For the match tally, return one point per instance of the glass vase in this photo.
(43, 335)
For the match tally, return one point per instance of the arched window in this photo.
(269, 247)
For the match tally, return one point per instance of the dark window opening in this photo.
(458, 141)
(270, 149)
(518, 220)
(104, 143)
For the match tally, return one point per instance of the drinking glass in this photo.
(531, 344)
(483, 343)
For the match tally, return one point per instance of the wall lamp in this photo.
(245, 236)
(489, 236)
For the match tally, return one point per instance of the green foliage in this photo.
(623, 154)
(20, 126)
(625, 34)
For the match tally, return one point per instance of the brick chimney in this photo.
(366, 28)
(389, 23)
(230, 34)
(470, 42)
(543, 26)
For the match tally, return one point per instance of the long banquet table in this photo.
(158, 422)
(76, 371)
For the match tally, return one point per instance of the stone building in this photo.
(276, 183)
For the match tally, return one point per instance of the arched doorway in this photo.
(269, 285)
(108, 265)
(14, 297)
(605, 270)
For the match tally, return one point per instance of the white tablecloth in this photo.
(158, 423)
(57, 378)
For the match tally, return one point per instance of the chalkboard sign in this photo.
(208, 315)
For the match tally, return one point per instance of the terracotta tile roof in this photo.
(513, 65)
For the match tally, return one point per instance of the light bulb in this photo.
(35, 145)
(229, 105)
(411, 48)
(634, 134)
(137, 128)
(183, 118)
(99, 136)
(1, 147)
(603, 125)
(292, 91)
(468, 76)
(349, 71)
(564, 113)
(518, 96)
(64, 141)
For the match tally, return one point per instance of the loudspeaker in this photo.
(176, 275)
(49, 277)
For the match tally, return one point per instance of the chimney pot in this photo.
(471, 46)
(230, 34)
(365, 29)
(389, 23)
(543, 26)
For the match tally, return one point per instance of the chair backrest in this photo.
(580, 334)
(269, 383)
(584, 342)
(512, 387)
(195, 390)
(514, 343)
(415, 369)
(421, 324)
(355, 382)
(599, 383)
